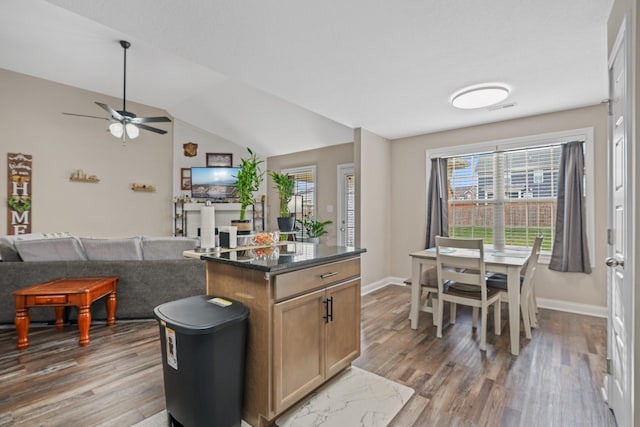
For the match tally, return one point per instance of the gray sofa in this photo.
(151, 271)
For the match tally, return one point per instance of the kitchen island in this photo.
(304, 324)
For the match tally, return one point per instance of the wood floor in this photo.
(117, 379)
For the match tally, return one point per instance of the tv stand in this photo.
(187, 216)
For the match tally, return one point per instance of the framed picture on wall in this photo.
(219, 159)
(185, 178)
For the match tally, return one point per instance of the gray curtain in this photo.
(570, 251)
(438, 198)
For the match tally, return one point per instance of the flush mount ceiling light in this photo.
(479, 96)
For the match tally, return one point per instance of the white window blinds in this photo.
(509, 195)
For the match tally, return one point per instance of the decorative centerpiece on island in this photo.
(285, 185)
(248, 182)
(313, 228)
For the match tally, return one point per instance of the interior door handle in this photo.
(614, 262)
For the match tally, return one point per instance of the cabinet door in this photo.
(343, 331)
(299, 348)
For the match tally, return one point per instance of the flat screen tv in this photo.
(214, 183)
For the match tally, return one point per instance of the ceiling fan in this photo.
(124, 123)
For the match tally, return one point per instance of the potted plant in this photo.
(248, 182)
(313, 228)
(285, 186)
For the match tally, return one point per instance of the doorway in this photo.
(346, 215)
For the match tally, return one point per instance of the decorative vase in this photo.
(286, 223)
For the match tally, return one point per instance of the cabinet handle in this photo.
(326, 316)
(325, 275)
(330, 309)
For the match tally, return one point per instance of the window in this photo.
(529, 195)
(303, 202)
(508, 189)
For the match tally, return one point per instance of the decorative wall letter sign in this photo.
(19, 190)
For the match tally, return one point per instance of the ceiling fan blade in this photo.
(149, 128)
(114, 113)
(150, 119)
(85, 115)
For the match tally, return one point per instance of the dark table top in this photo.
(284, 257)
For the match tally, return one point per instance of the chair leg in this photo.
(496, 317)
(452, 312)
(474, 318)
(533, 298)
(524, 308)
(434, 310)
(532, 311)
(483, 330)
(439, 316)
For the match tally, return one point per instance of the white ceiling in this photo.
(289, 75)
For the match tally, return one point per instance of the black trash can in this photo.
(203, 355)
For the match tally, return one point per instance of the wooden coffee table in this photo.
(59, 293)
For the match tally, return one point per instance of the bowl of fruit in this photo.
(266, 238)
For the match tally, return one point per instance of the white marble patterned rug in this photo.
(353, 398)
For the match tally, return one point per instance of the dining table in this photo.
(509, 262)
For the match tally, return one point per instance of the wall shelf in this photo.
(143, 188)
(94, 180)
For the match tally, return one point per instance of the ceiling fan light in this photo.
(116, 129)
(479, 96)
(132, 131)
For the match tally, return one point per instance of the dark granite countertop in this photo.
(284, 257)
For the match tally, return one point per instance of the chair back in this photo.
(461, 261)
(529, 268)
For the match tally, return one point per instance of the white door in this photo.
(620, 285)
(346, 205)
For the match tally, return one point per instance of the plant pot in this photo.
(286, 223)
(244, 225)
(313, 240)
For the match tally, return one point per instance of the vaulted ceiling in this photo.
(290, 75)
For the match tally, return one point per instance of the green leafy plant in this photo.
(312, 227)
(285, 186)
(249, 177)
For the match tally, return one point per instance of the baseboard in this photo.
(573, 307)
(381, 284)
(550, 304)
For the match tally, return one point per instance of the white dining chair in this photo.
(462, 280)
(528, 306)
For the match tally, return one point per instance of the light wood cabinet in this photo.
(315, 335)
(303, 327)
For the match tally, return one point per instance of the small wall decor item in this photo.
(190, 149)
(19, 190)
(219, 159)
(185, 178)
(80, 176)
(136, 186)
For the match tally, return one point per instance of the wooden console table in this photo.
(59, 293)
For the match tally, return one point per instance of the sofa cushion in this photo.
(8, 251)
(112, 249)
(155, 248)
(50, 249)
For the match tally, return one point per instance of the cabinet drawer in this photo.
(298, 282)
(50, 299)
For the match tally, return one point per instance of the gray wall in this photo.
(32, 122)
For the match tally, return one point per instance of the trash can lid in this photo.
(201, 314)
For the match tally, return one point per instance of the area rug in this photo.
(354, 398)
